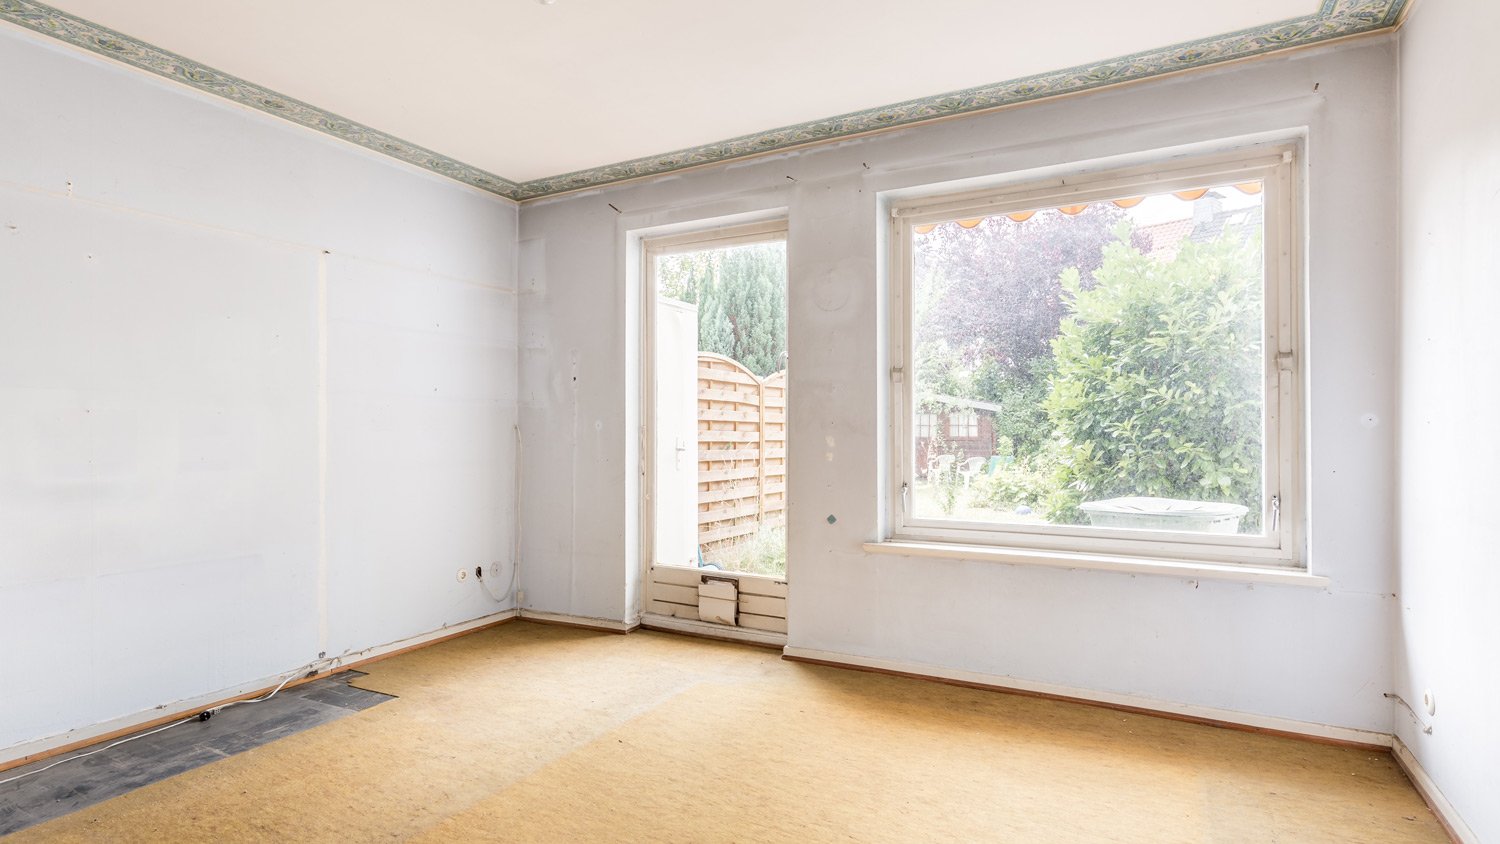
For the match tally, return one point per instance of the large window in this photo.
(1133, 338)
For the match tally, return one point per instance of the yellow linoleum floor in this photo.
(528, 732)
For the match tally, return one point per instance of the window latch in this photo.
(904, 488)
(1275, 512)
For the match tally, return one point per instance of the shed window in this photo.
(963, 424)
(926, 425)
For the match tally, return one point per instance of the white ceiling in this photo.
(527, 90)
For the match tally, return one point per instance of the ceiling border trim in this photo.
(1335, 19)
(84, 34)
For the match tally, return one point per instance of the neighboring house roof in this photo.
(1245, 219)
(1164, 240)
(955, 401)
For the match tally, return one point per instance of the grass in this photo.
(764, 552)
(925, 506)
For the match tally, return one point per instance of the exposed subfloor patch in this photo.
(86, 781)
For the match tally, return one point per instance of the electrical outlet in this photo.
(1429, 702)
(463, 574)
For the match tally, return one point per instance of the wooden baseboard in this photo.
(1446, 814)
(717, 632)
(583, 621)
(1287, 728)
(136, 723)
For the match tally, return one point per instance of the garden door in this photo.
(715, 487)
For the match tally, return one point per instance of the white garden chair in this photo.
(939, 465)
(970, 468)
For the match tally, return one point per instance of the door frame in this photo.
(697, 240)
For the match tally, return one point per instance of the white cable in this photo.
(212, 711)
(515, 554)
(100, 750)
(1426, 728)
(216, 710)
(499, 599)
(515, 558)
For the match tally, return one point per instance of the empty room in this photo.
(857, 420)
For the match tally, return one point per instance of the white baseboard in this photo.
(1152, 705)
(712, 631)
(610, 624)
(193, 705)
(1430, 792)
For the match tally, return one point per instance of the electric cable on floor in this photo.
(202, 716)
(101, 749)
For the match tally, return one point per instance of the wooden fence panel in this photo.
(741, 451)
(773, 450)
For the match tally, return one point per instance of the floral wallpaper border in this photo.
(1335, 19)
(106, 42)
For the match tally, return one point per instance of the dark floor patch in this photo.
(78, 784)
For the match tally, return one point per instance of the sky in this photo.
(1164, 207)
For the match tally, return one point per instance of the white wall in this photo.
(1448, 637)
(1289, 652)
(188, 503)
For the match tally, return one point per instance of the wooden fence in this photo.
(741, 451)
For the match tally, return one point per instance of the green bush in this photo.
(1157, 388)
(1021, 393)
(1011, 486)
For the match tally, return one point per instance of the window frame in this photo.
(1276, 166)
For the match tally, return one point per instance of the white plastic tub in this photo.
(1141, 512)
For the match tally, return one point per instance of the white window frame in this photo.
(1275, 165)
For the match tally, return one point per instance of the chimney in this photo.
(1206, 207)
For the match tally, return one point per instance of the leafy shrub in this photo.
(1021, 393)
(1157, 388)
(1011, 486)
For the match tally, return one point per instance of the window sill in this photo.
(1188, 569)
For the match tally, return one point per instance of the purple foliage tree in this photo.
(992, 291)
